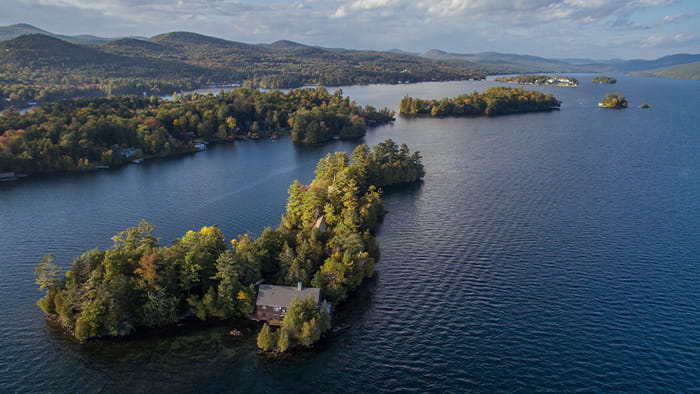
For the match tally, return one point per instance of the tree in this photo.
(47, 277)
(266, 338)
(283, 341)
(47, 273)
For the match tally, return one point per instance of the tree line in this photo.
(497, 100)
(139, 283)
(79, 134)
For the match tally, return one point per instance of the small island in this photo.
(497, 100)
(323, 249)
(613, 101)
(543, 80)
(602, 79)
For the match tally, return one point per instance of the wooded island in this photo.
(139, 283)
(613, 101)
(603, 79)
(497, 100)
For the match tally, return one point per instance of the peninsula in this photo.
(539, 80)
(83, 134)
(497, 100)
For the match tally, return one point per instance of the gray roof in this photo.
(282, 295)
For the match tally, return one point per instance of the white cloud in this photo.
(671, 39)
(341, 12)
(541, 27)
(673, 18)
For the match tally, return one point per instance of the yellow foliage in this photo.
(208, 231)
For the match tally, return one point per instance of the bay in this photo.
(552, 251)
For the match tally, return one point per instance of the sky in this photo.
(595, 29)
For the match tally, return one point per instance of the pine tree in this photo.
(266, 340)
(283, 341)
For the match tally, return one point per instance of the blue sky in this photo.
(598, 29)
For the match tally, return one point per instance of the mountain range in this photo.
(36, 65)
(171, 46)
(23, 29)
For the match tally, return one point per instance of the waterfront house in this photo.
(7, 176)
(128, 153)
(320, 223)
(199, 146)
(273, 301)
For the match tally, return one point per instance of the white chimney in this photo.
(299, 286)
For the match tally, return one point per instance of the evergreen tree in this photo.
(266, 338)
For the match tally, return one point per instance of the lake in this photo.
(555, 251)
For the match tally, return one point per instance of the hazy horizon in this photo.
(592, 29)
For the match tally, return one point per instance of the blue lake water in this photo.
(553, 251)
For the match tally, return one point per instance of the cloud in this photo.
(682, 15)
(519, 11)
(655, 40)
(542, 27)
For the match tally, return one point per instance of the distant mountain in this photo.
(23, 29)
(39, 50)
(662, 62)
(286, 63)
(513, 63)
(285, 45)
(180, 40)
(402, 52)
(182, 60)
(681, 71)
(47, 54)
(586, 61)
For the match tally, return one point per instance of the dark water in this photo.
(543, 252)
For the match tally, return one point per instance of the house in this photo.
(199, 146)
(128, 153)
(320, 223)
(273, 301)
(7, 176)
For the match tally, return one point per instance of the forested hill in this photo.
(289, 64)
(39, 52)
(680, 71)
(504, 63)
(41, 68)
(23, 29)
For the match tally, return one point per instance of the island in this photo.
(613, 101)
(539, 80)
(88, 133)
(497, 100)
(604, 80)
(325, 241)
